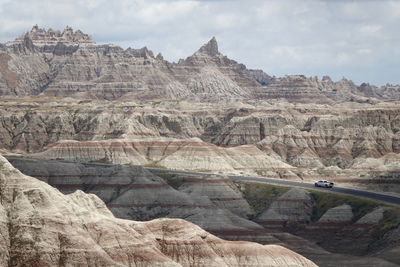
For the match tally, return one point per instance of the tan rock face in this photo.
(291, 210)
(348, 144)
(373, 217)
(340, 214)
(42, 227)
(213, 203)
(132, 192)
(69, 63)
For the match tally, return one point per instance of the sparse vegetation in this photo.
(101, 161)
(325, 201)
(260, 195)
(154, 165)
(202, 170)
(390, 220)
(174, 180)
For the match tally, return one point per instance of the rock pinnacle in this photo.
(210, 48)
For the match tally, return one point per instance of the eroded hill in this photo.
(329, 229)
(353, 145)
(70, 64)
(40, 226)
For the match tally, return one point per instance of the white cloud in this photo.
(226, 21)
(370, 29)
(268, 10)
(161, 12)
(394, 7)
(364, 51)
(287, 53)
(343, 58)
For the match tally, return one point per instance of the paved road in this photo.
(355, 192)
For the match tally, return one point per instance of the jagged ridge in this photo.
(48, 62)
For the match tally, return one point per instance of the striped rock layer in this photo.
(131, 192)
(40, 226)
(69, 64)
(215, 204)
(356, 145)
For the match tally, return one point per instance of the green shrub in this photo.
(390, 220)
(174, 180)
(154, 165)
(260, 195)
(325, 201)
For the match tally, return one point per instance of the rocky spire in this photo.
(39, 35)
(160, 56)
(210, 48)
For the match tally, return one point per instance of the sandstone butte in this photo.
(40, 226)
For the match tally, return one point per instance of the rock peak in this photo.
(210, 48)
(37, 34)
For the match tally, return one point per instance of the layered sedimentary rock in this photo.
(215, 204)
(357, 145)
(363, 237)
(131, 192)
(42, 227)
(293, 209)
(54, 63)
(336, 229)
(282, 140)
(71, 64)
(346, 142)
(373, 217)
(340, 215)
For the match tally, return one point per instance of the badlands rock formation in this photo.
(204, 113)
(293, 209)
(341, 214)
(69, 63)
(40, 226)
(337, 229)
(373, 217)
(131, 192)
(354, 145)
(217, 205)
(347, 142)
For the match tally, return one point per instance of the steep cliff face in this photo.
(69, 63)
(42, 227)
(353, 144)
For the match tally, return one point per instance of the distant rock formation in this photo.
(50, 41)
(70, 64)
(356, 145)
(210, 48)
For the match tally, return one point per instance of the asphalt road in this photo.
(355, 192)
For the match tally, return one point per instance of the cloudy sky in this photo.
(359, 40)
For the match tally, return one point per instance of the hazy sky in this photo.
(356, 39)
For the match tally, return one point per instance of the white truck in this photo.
(323, 183)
